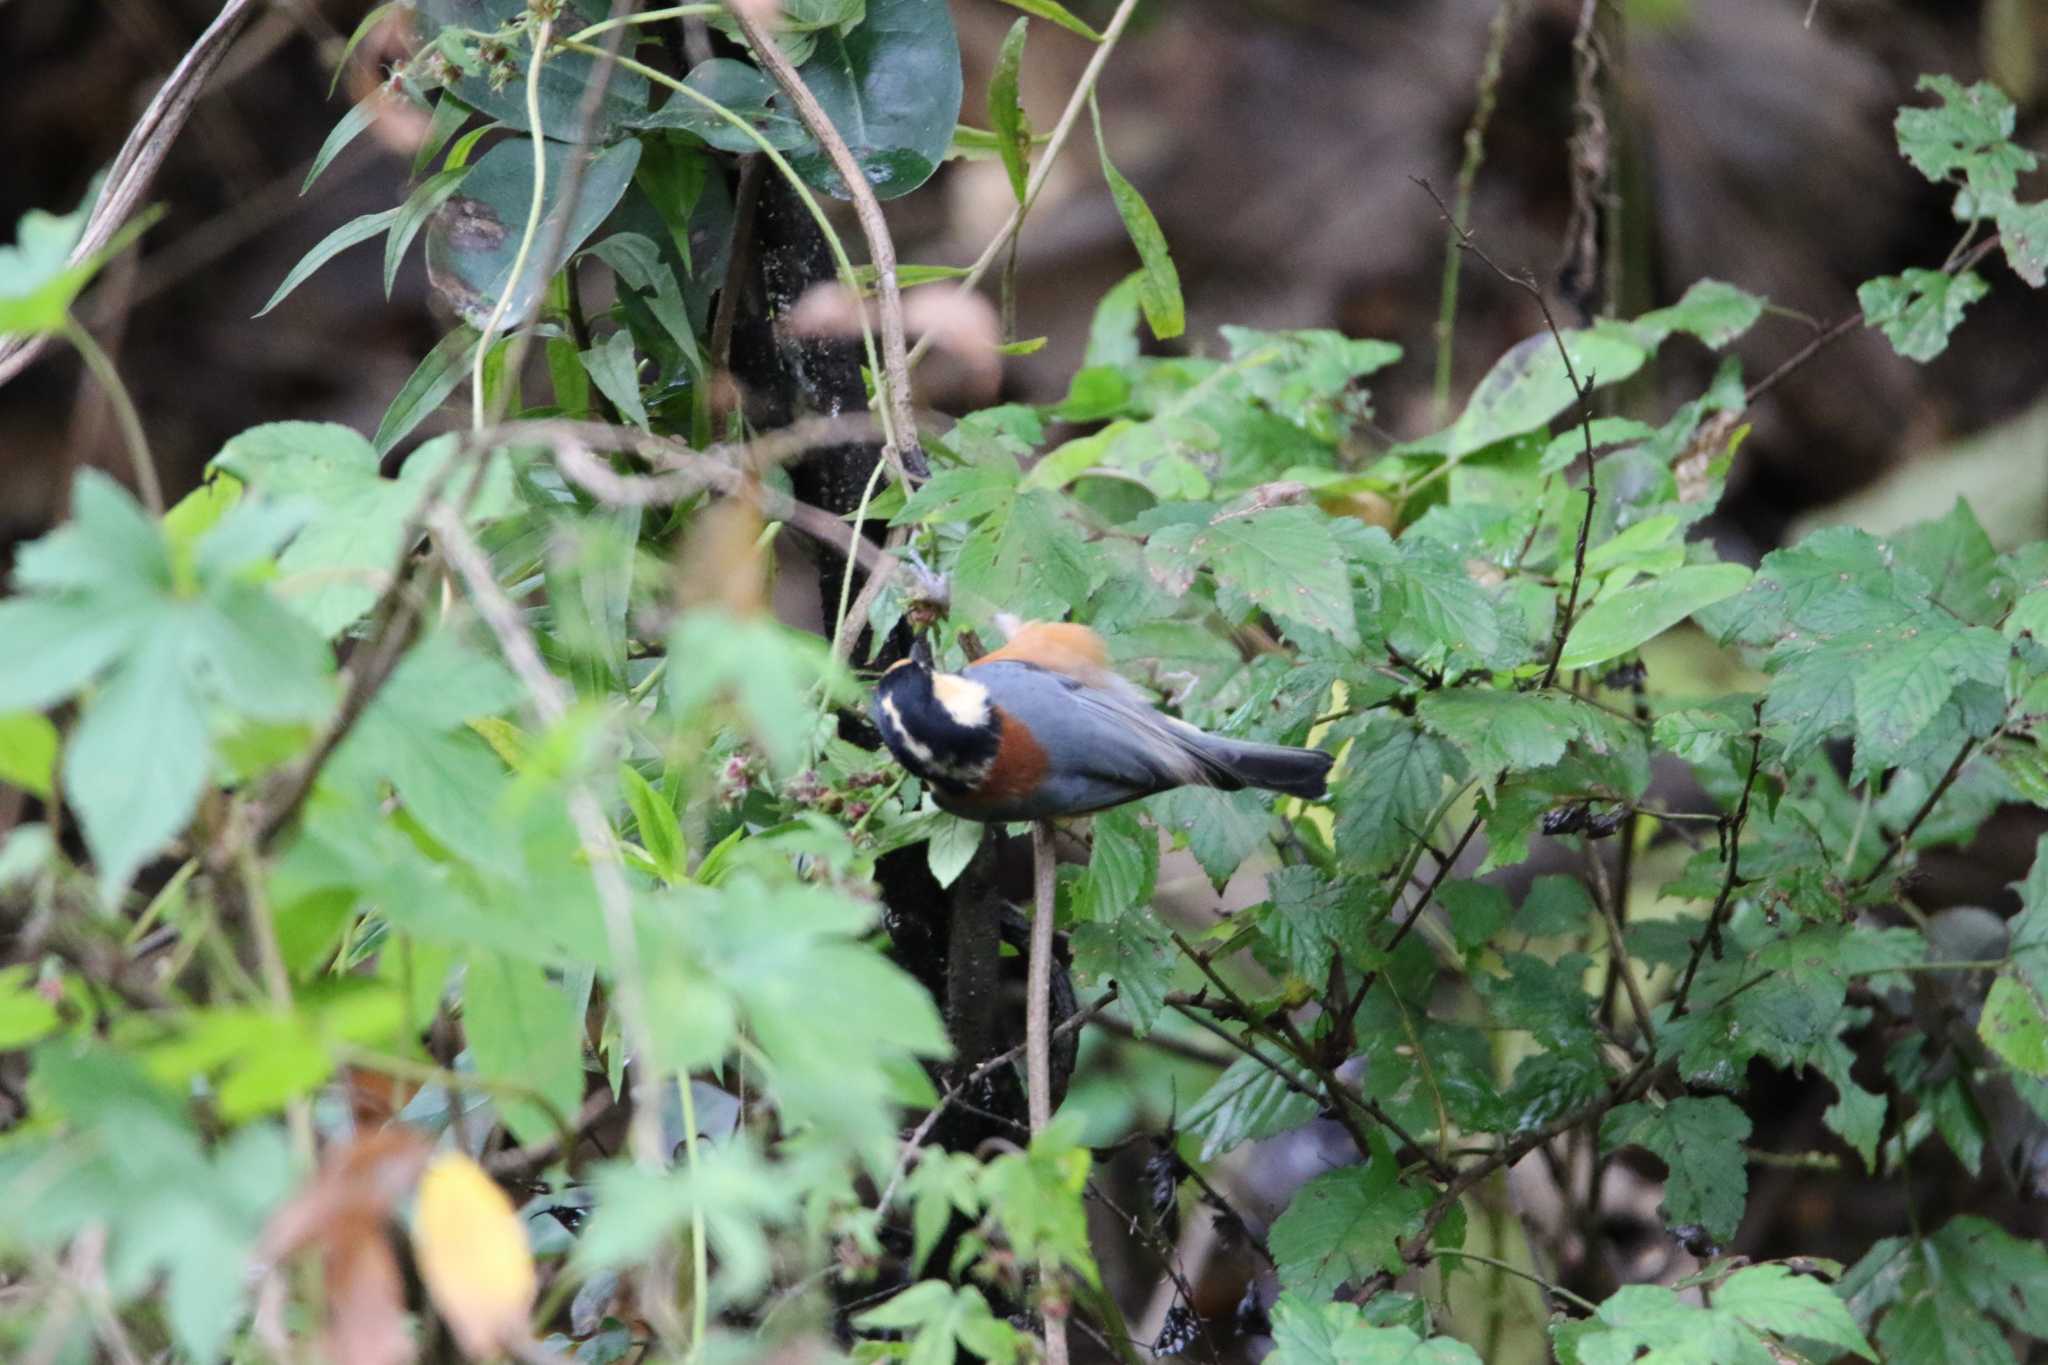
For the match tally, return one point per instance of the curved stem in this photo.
(1556, 1291)
(533, 217)
(102, 367)
(700, 1269)
(1041, 172)
(652, 16)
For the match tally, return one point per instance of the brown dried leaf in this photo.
(366, 1323)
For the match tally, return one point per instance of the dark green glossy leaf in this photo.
(892, 89)
(473, 238)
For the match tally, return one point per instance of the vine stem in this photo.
(1556, 1291)
(1039, 173)
(109, 379)
(1038, 1038)
(532, 230)
(652, 16)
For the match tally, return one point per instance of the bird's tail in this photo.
(1274, 767)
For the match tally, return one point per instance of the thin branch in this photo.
(536, 205)
(550, 700)
(1038, 1038)
(1730, 878)
(1581, 389)
(1337, 1095)
(900, 422)
(1555, 1291)
(1897, 843)
(915, 1141)
(1043, 170)
(132, 435)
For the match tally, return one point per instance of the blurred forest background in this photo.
(1279, 142)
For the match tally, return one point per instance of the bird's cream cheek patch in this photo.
(965, 701)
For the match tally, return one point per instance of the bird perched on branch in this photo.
(1043, 727)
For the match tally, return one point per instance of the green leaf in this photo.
(564, 77)
(1504, 730)
(1639, 613)
(744, 91)
(332, 245)
(432, 192)
(953, 845)
(1343, 1226)
(473, 239)
(1714, 312)
(1968, 137)
(28, 751)
(525, 1031)
(359, 117)
(942, 1320)
(1282, 561)
(39, 280)
(765, 670)
(1058, 14)
(1772, 1299)
(1158, 282)
(654, 817)
(1392, 780)
(2023, 232)
(440, 373)
(1134, 951)
(1309, 1333)
(1700, 1140)
(892, 88)
(138, 758)
(1006, 113)
(1530, 385)
(1918, 309)
(2015, 1025)
(1250, 1101)
(613, 368)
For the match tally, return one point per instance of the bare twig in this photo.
(1730, 878)
(135, 165)
(1038, 1039)
(1897, 843)
(900, 424)
(1581, 389)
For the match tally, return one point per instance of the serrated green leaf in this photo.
(1700, 1140)
(1917, 310)
(1133, 951)
(1344, 1225)
(1249, 1101)
(952, 847)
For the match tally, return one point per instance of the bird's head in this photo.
(941, 726)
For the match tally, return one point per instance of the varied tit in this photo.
(1043, 727)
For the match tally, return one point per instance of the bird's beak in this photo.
(921, 653)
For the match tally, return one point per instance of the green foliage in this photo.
(572, 837)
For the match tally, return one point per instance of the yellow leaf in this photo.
(472, 1252)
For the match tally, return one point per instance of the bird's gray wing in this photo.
(1089, 731)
